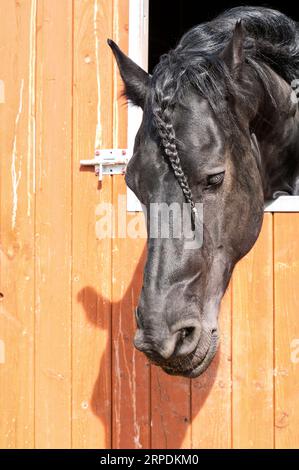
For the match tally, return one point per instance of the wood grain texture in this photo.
(211, 393)
(53, 224)
(69, 375)
(171, 411)
(286, 263)
(92, 128)
(17, 29)
(130, 370)
(252, 337)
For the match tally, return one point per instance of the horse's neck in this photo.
(277, 132)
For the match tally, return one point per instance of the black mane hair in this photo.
(271, 40)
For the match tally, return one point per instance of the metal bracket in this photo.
(108, 162)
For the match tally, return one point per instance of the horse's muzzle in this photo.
(188, 358)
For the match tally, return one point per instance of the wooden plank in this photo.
(286, 263)
(171, 411)
(211, 393)
(17, 34)
(252, 337)
(120, 34)
(91, 327)
(131, 374)
(130, 370)
(53, 224)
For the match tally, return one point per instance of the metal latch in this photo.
(108, 162)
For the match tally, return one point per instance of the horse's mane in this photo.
(271, 40)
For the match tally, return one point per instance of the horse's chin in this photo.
(197, 369)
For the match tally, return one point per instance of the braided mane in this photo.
(162, 113)
(272, 39)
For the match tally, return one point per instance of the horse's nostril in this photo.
(188, 339)
(180, 340)
(185, 332)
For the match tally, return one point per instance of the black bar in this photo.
(134, 458)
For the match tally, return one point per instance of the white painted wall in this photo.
(138, 51)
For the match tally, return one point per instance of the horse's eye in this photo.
(213, 180)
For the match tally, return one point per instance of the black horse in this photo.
(220, 127)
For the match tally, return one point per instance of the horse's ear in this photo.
(135, 79)
(233, 54)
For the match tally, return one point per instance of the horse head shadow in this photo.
(97, 310)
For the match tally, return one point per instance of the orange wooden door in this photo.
(69, 375)
(17, 224)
